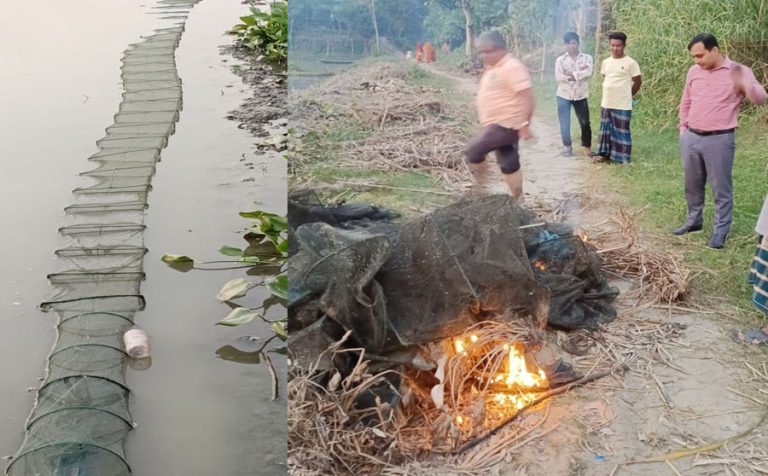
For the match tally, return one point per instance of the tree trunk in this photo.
(583, 4)
(470, 40)
(372, 5)
(598, 28)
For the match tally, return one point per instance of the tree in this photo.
(372, 7)
(474, 15)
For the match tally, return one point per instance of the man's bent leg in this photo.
(487, 141)
(509, 163)
(515, 183)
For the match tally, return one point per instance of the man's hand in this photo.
(525, 133)
(571, 77)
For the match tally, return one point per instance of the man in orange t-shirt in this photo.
(505, 106)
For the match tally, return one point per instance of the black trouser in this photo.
(582, 115)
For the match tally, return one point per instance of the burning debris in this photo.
(434, 322)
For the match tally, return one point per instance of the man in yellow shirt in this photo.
(622, 81)
(504, 106)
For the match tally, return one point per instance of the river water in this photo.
(196, 413)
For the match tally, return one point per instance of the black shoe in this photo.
(686, 229)
(717, 242)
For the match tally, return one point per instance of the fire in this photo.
(518, 374)
(460, 348)
(522, 384)
(517, 377)
(540, 265)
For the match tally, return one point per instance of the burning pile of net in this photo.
(415, 338)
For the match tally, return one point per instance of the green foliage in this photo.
(345, 21)
(658, 32)
(265, 31)
(444, 22)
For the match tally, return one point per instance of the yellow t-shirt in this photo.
(499, 99)
(617, 85)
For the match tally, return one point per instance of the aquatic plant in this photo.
(265, 31)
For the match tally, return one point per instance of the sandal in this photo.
(751, 336)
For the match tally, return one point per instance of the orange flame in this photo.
(522, 383)
(517, 375)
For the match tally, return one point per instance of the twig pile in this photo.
(661, 276)
(327, 433)
(407, 126)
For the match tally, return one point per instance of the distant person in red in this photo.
(433, 58)
(419, 52)
(428, 51)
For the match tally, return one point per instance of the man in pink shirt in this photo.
(504, 106)
(714, 91)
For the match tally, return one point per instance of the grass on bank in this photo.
(322, 165)
(654, 180)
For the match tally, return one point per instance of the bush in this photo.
(265, 31)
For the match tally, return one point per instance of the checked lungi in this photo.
(614, 139)
(758, 276)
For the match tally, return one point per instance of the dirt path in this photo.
(689, 384)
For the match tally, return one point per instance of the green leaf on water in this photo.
(233, 289)
(177, 259)
(279, 329)
(230, 251)
(279, 286)
(238, 316)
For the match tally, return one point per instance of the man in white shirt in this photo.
(573, 71)
(622, 81)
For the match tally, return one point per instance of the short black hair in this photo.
(708, 39)
(618, 35)
(493, 37)
(571, 36)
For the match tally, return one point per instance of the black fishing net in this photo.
(403, 284)
(81, 416)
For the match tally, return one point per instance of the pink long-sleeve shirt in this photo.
(710, 102)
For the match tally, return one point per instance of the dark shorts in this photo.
(495, 138)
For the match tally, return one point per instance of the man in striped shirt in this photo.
(714, 91)
(573, 70)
